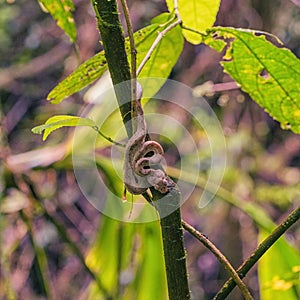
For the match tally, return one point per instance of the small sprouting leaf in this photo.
(56, 122)
(84, 75)
(270, 75)
(197, 15)
(61, 11)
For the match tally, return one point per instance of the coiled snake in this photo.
(142, 158)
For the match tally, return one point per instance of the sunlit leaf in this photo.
(84, 75)
(163, 58)
(61, 11)
(56, 122)
(269, 74)
(103, 256)
(159, 65)
(91, 70)
(278, 277)
(197, 15)
(141, 264)
(150, 282)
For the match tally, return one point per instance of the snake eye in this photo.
(149, 154)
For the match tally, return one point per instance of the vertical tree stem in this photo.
(172, 233)
(174, 252)
(114, 46)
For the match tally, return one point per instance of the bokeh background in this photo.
(47, 226)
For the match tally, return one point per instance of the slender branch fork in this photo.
(218, 254)
(241, 272)
(262, 248)
(134, 71)
(159, 37)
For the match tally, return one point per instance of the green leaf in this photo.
(84, 75)
(278, 271)
(159, 65)
(150, 281)
(142, 262)
(165, 55)
(61, 11)
(197, 15)
(92, 69)
(269, 74)
(56, 122)
(103, 256)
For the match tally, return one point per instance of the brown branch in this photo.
(292, 218)
(218, 254)
(114, 47)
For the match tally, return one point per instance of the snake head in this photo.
(159, 180)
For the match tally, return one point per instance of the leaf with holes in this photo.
(269, 74)
(57, 122)
(61, 11)
(196, 14)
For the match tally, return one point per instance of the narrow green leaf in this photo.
(197, 15)
(92, 69)
(150, 281)
(102, 258)
(144, 265)
(159, 65)
(278, 271)
(269, 74)
(61, 11)
(56, 122)
(84, 75)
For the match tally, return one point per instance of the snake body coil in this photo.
(142, 158)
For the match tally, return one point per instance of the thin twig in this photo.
(108, 138)
(133, 51)
(176, 10)
(133, 54)
(292, 218)
(161, 34)
(192, 30)
(218, 254)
